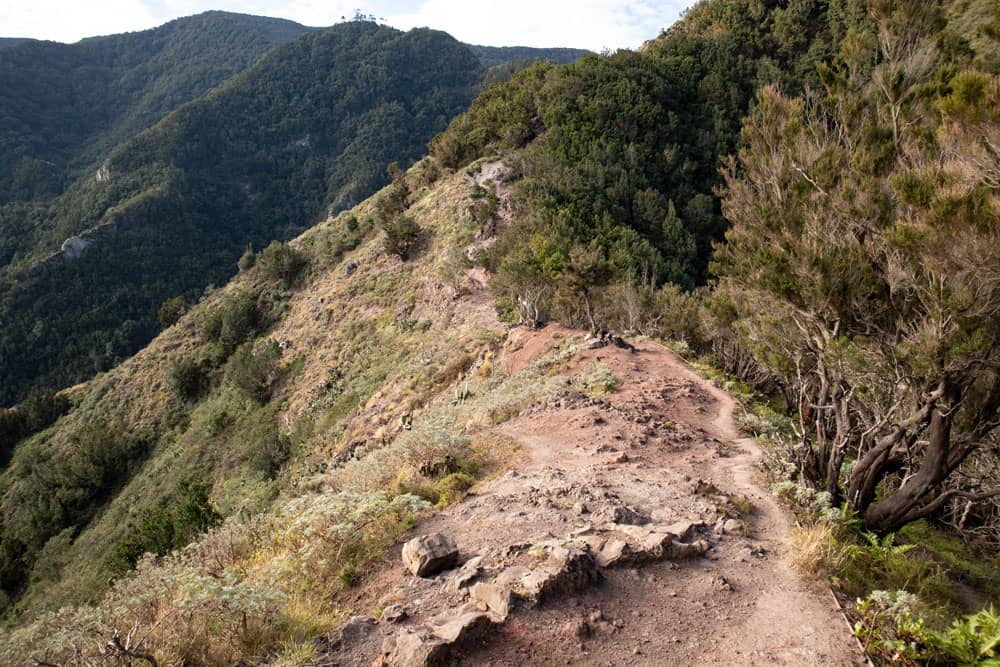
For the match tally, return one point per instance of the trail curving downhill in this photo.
(662, 450)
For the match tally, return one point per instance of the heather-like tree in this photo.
(863, 265)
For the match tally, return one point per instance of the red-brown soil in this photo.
(664, 445)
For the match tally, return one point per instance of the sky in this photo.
(588, 24)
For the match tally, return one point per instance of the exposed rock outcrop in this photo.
(429, 554)
(74, 246)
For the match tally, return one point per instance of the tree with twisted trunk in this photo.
(863, 267)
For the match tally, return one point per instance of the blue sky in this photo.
(590, 24)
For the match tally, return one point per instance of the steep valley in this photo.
(398, 376)
(657, 357)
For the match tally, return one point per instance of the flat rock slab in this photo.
(566, 570)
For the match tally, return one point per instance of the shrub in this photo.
(452, 488)
(392, 202)
(887, 627)
(253, 368)
(598, 380)
(187, 378)
(37, 411)
(265, 447)
(484, 205)
(402, 236)
(61, 487)
(973, 641)
(247, 260)
(188, 514)
(171, 310)
(234, 320)
(280, 262)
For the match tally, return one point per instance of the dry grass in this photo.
(384, 356)
(815, 551)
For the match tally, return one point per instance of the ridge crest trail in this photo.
(644, 478)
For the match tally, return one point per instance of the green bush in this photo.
(452, 488)
(598, 380)
(393, 199)
(281, 263)
(187, 378)
(264, 447)
(37, 411)
(972, 641)
(61, 487)
(402, 236)
(188, 514)
(171, 310)
(247, 260)
(253, 368)
(233, 321)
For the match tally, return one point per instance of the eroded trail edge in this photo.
(635, 531)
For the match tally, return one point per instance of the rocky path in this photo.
(635, 532)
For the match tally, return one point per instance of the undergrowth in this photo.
(261, 586)
(900, 589)
(596, 380)
(245, 590)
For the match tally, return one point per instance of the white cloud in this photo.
(592, 24)
(72, 20)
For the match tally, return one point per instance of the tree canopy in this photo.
(862, 264)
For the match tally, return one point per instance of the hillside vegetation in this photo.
(492, 56)
(240, 474)
(308, 129)
(64, 106)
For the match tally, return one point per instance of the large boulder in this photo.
(427, 555)
(74, 246)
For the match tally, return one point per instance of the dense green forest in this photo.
(623, 151)
(310, 129)
(64, 106)
(491, 56)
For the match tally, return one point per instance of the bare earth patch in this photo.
(635, 531)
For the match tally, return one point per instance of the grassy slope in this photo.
(394, 331)
(313, 124)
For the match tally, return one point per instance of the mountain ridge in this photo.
(95, 205)
(239, 488)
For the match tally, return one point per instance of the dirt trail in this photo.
(661, 449)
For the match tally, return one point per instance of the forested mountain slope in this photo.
(491, 56)
(63, 106)
(612, 161)
(310, 129)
